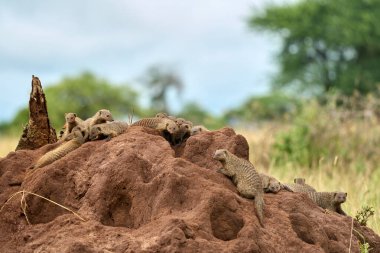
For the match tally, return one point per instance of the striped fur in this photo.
(329, 200)
(157, 123)
(108, 130)
(245, 177)
(60, 151)
(305, 188)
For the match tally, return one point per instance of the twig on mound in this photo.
(352, 228)
(24, 205)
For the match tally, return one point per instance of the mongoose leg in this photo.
(225, 172)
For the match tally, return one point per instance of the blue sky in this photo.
(221, 61)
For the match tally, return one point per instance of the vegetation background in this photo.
(320, 120)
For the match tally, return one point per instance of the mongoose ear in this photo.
(75, 114)
(65, 114)
(98, 128)
(345, 194)
(167, 124)
(335, 193)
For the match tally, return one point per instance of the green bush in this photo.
(338, 133)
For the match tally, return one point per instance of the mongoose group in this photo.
(249, 182)
(76, 131)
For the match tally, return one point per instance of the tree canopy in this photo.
(326, 45)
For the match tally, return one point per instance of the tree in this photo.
(159, 80)
(275, 106)
(84, 94)
(326, 44)
(199, 116)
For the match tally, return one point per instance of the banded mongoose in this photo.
(270, 184)
(72, 120)
(165, 115)
(329, 200)
(183, 132)
(302, 181)
(245, 176)
(107, 130)
(101, 116)
(61, 150)
(184, 128)
(161, 124)
(299, 185)
(198, 129)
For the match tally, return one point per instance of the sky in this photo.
(221, 61)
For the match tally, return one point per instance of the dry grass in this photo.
(24, 205)
(329, 175)
(7, 144)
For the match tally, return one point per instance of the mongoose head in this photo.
(220, 155)
(77, 133)
(197, 129)
(299, 180)
(179, 121)
(70, 117)
(95, 132)
(274, 186)
(185, 127)
(80, 128)
(161, 115)
(104, 115)
(171, 127)
(340, 197)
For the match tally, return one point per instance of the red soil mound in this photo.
(138, 194)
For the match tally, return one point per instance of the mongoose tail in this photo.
(259, 203)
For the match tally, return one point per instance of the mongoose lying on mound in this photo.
(270, 184)
(245, 176)
(198, 129)
(107, 130)
(161, 124)
(164, 115)
(329, 200)
(299, 185)
(71, 121)
(61, 150)
(101, 116)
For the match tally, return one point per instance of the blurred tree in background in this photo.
(268, 107)
(327, 45)
(195, 113)
(84, 94)
(159, 80)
